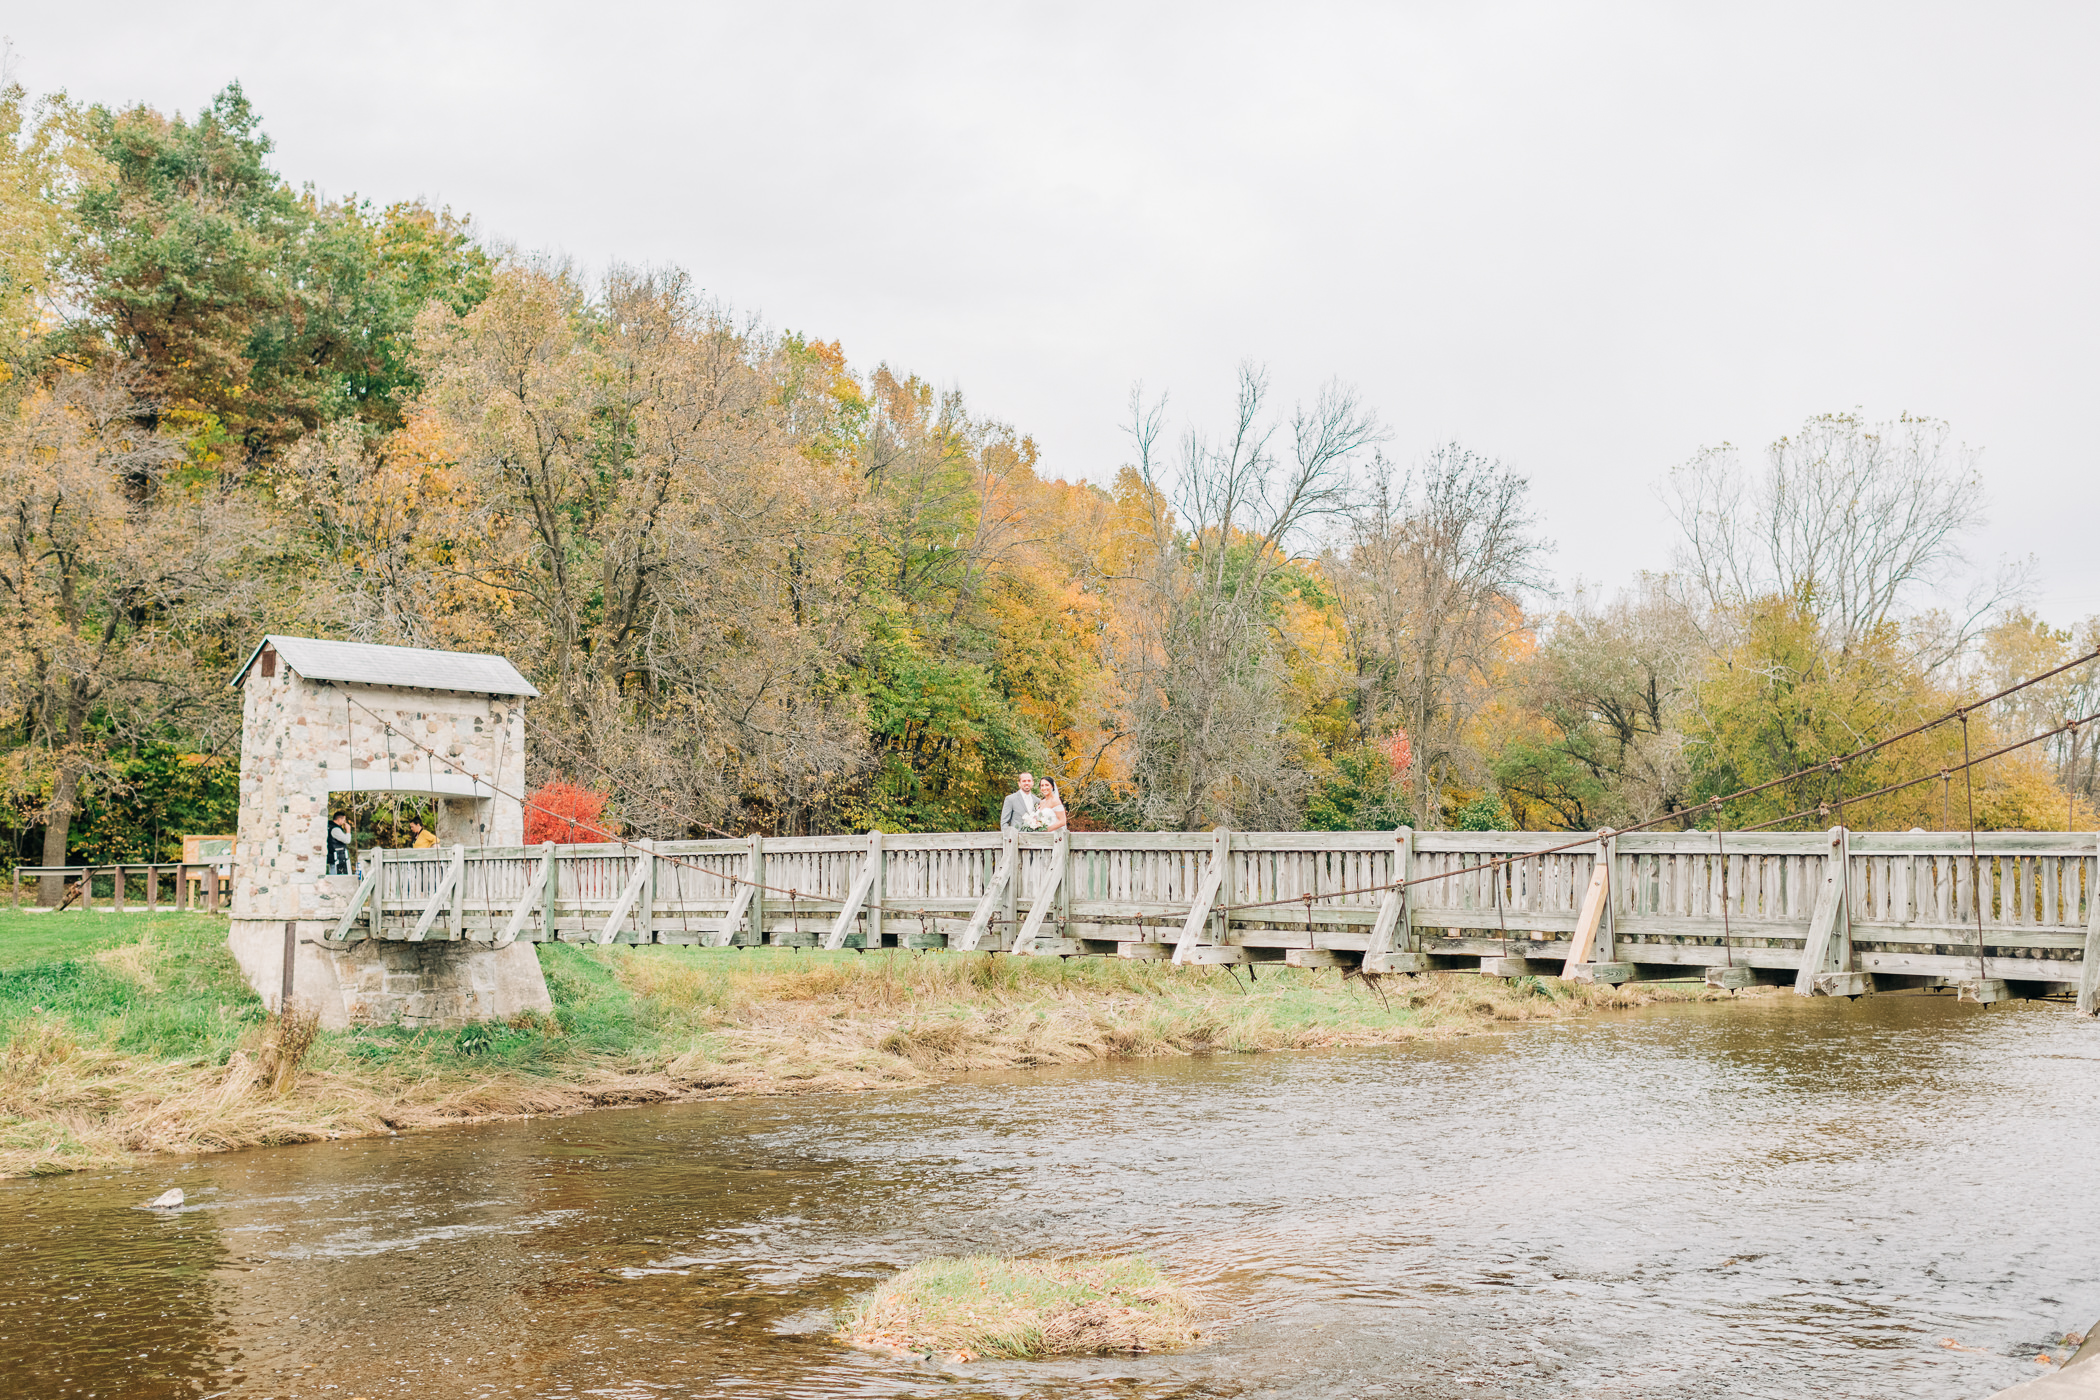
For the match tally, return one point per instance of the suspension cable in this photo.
(1976, 892)
(1713, 805)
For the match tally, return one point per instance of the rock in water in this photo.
(166, 1200)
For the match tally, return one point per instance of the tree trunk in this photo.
(58, 826)
(65, 798)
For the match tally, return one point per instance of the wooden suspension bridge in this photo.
(1838, 913)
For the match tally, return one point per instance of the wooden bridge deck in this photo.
(1837, 912)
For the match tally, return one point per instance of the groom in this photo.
(1019, 805)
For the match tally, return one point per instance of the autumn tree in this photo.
(761, 590)
(947, 541)
(1859, 523)
(250, 312)
(2019, 646)
(926, 535)
(115, 579)
(1432, 572)
(681, 577)
(1821, 583)
(1212, 563)
(44, 162)
(1610, 685)
(563, 812)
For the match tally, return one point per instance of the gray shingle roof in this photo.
(408, 668)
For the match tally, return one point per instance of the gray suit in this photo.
(1018, 808)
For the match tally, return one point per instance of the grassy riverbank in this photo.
(124, 1033)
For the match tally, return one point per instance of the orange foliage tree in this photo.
(562, 811)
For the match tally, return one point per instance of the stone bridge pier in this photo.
(322, 717)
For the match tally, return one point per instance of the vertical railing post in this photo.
(1064, 883)
(1220, 920)
(548, 891)
(875, 889)
(459, 890)
(1826, 916)
(2089, 968)
(1607, 942)
(152, 889)
(758, 889)
(645, 903)
(375, 912)
(211, 888)
(116, 891)
(1011, 913)
(1403, 871)
(1841, 938)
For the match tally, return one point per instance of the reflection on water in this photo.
(1773, 1198)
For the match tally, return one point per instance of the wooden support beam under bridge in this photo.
(1828, 913)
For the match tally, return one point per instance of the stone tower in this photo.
(321, 717)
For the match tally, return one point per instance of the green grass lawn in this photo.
(29, 939)
(162, 985)
(167, 985)
(120, 1032)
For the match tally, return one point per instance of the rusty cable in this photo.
(1821, 809)
(1945, 775)
(1713, 805)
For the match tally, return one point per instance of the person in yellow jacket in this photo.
(425, 837)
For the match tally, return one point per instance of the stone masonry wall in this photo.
(430, 984)
(300, 741)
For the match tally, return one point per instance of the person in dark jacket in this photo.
(339, 840)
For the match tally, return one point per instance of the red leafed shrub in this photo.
(1400, 752)
(564, 812)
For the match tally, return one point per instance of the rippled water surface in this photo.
(1768, 1198)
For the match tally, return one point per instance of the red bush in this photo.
(564, 812)
(1400, 752)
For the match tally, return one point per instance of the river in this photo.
(1766, 1198)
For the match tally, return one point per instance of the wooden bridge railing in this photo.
(192, 885)
(1835, 912)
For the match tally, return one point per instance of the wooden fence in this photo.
(1837, 912)
(190, 885)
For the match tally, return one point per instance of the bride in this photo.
(1049, 807)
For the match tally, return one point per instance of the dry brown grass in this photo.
(687, 1025)
(1023, 1309)
(134, 962)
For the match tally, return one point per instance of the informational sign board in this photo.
(214, 850)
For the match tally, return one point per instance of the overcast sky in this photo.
(1588, 240)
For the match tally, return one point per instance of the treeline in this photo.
(763, 590)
